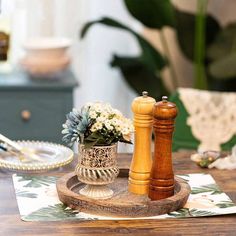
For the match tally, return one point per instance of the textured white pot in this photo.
(97, 167)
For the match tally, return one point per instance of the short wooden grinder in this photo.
(162, 176)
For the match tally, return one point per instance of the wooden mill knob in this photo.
(140, 168)
(162, 176)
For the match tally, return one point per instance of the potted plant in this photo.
(203, 41)
(97, 128)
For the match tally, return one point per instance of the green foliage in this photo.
(222, 53)
(185, 212)
(224, 43)
(225, 204)
(196, 34)
(103, 138)
(147, 66)
(97, 124)
(140, 77)
(52, 213)
(160, 12)
(185, 29)
(26, 194)
(213, 188)
(37, 181)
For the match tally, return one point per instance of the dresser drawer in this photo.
(34, 115)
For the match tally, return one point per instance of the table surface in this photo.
(11, 224)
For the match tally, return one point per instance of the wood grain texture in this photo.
(11, 224)
(123, 203)
(162, 175)
(141, 163)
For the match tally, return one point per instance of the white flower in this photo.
(100, 119)
(98, 125)
(97, 107)
(127, 137)
(92, 114)
(125, 131)
(104, 115)
(117, 113)
(108, 125)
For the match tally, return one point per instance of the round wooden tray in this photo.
(123, 203)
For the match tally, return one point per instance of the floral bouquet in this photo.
(97, 124)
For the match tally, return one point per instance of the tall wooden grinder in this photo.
(141, 163)
(162, 176)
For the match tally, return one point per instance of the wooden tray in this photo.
(123, 203)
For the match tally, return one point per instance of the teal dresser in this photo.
(35, 109)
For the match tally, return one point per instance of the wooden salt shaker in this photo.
(140, 168)
(162, 176)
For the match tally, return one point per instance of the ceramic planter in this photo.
(97, 167)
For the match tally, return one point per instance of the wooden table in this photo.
(11, 224)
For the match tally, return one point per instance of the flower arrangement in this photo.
(97, 124)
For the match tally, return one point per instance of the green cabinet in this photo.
(34, 109)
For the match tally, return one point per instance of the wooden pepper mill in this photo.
(162, 176)
(140, 168)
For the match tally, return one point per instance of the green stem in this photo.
(167, 52)
(200, 80)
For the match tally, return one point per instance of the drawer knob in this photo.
(25, 115)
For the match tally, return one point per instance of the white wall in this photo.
(91, 56)
(98, 81)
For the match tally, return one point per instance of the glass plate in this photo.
(52, 155)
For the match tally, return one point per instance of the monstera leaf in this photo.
(149, 63)
(185, 28)
(152, 13)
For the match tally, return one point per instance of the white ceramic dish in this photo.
(47, 47)
(53, 156)
(46, 55)
(41, 66)
(45, 43)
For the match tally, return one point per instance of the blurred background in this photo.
(184, 43)
(91, 56)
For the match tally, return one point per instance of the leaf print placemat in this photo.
(38, 201)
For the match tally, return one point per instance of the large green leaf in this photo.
(149, 63)
(224, 68)
(185, 28)
(150, 56)
(223, 54)
(152, 13)
(139, 77)
(224, 43)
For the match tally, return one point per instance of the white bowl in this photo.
(46, 55)
(45, 66)
(47, 47)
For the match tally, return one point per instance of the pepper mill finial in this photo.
(141, 163)
(162, 176)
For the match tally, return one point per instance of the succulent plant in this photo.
(76, 125)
